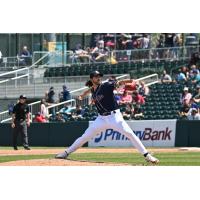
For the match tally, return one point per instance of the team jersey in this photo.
(104, 98)
(20, 111)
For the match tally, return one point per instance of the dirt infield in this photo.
(55, 162)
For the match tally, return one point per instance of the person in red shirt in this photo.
(137, 98)
(126, 98)
(39, 118)
(131, 86)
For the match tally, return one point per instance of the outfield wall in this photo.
(155, 133)
(46, 134)
(152, 133)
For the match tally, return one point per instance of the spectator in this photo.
(51, 100)
(186, 96)
(193, 104)
(181, 77)
(184, 111)
(10, 108)
(39, 118)
(43, 109)
(166, 78)
(196, 77)
(117, 96)
(161, 41)
(1, 57)
(196, 97)
(177, 41)
(51, 95)
(125, 42)
(137, 98)
(168, 40)
(143, 89)
(129, 112)
(194, 115)
(137, 113)
(25, 52)
(193, 68)
(160, 44)
(65, 94)
(78, 113)
(99, 53)
(59, 118)
(25, 56)
(126, 98)
(66, 111)
(131, 86)
(80, 55)
(144, 42)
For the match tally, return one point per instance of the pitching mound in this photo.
(57, 162)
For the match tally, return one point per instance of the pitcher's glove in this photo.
(89, 84)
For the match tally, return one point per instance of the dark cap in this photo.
(95, 73)
(22, 96)
(195, 71)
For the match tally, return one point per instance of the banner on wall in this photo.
(152, 133)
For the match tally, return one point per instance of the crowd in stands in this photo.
(189, 77)
(102, 46)
(51, 99)
(130, 98)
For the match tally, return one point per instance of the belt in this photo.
(107, 113)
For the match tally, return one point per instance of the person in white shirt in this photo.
(145, 42)
(194, 115)
(166, 78)
(186, 96)
(1, 59)
(43, 109)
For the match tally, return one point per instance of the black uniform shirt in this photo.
(104, 98)
(20, 111)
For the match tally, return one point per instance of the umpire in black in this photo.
(20, 121)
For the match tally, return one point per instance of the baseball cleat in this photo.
(150, 158)
(62, 155)
(27, 148)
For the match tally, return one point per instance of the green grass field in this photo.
(166, 159)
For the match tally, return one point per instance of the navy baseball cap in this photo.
(195, 71)
(22, 96)
(95, 73)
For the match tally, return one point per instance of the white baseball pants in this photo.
(114, 121)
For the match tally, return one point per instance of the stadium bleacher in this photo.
(120, 68)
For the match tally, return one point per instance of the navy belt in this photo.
(107, 113)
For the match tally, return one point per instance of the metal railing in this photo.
(33, 107)
(24, 72)
(59, 58)
(171, 53)
(54, 58)
(59, 106)
(16, 62)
